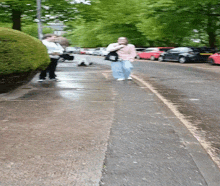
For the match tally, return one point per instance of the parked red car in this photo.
(214, 58)
(153, 53)
(138, 51)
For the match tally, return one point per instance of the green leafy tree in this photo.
(106, 21)
(16, 11)
(148, 22)
(32, 29)
(175, 20)
(204, 16)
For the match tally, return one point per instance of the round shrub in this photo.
(21, 53)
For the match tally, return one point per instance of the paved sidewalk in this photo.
(56, 133)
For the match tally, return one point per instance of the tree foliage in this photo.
(16, 11)
(144, 22)
(148, 22)
(32, 29)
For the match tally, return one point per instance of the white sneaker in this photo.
(41, 80)
(129, 77)
(54, 79)
(120, 79)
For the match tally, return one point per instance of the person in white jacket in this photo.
(54, 51)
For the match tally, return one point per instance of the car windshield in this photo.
(70, 48)
(184, 49)
(164, 49)
(140, 49)
(150, 50)
(174, 50)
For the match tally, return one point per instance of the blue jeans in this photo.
(121, 69)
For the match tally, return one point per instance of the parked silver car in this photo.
(97, 52)
(73, 50)
(104, 52)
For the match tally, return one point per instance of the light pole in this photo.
(40, 33)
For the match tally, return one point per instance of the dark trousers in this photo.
(50, 69)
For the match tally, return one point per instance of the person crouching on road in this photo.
(54, 51)
(121, 69)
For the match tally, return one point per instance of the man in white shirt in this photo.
(54, 51)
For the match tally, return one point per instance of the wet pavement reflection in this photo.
(57, 132)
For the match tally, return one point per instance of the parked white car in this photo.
(97, 52)
(90, 51)
(104, 52)
(73, 50)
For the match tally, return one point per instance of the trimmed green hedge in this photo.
(21, 52)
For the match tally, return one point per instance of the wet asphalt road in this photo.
(194, 89)
(145, 147)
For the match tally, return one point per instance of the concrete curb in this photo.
(18, 92)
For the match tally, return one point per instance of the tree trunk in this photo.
(211, 31)
(212, 39)
(16, 19)
(211, 28)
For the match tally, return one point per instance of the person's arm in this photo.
(133, 53)
(60, 48)
(114, 47)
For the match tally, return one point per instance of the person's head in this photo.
(122, 40)
(50, 37)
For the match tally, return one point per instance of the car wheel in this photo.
(211, 61)
(160, 59)
(182, 59)
(152, 58)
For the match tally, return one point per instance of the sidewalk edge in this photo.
(18, 92)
